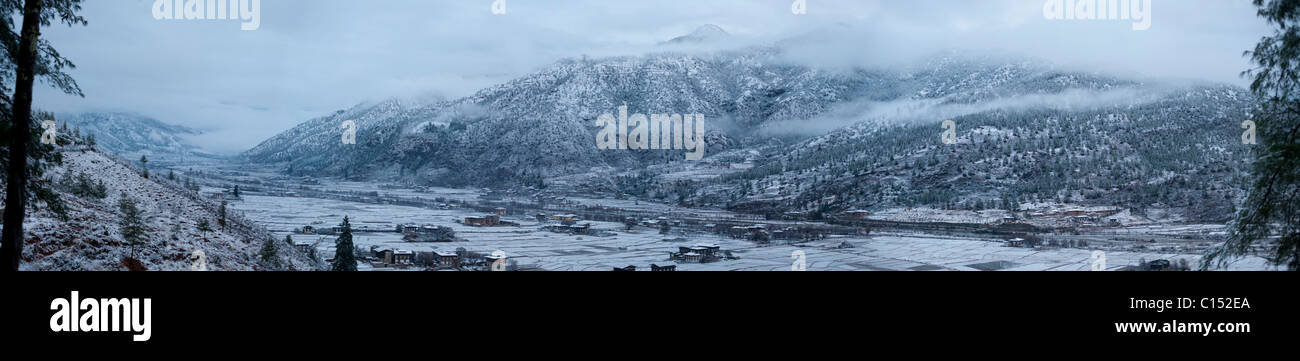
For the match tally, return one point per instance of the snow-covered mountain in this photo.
(704, 34)
(1176, 148)
(542, 124)
(132, 135)
(797, 137)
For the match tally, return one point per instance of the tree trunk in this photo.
(19, 135)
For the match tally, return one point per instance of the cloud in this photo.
(913, 111)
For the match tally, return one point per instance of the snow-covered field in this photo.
(529, 245)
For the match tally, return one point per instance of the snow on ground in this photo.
(90, 239)
(529, 245)
(940, 215)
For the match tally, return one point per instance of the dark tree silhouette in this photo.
(26, 58)
(345, 258)
(1272, 206)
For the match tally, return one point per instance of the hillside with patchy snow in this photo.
(90, 237)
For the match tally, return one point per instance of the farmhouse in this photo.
(491, 260)
(700, 253)
(748, 232)
(491, 220)
(1016, 242)
(302, 246)
(394, 258)
(584, 229)
(565, 217)
(447, 259)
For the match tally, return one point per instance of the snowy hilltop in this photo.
(80, 225)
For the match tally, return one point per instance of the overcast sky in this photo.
(311, 57)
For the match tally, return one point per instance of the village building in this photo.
(402, 257)
(447, 259)
(750, 232)
(565, 217)
(394, 258)
(658, 268)
(484, 221)
(855, 215)
(413, 233)
(700, 253)
(303, 246)
(1016, 242)
(690, 257)
(491, 259)
(581, 230)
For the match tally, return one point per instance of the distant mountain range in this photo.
(704, 34)
(825, 139)
(132, 135)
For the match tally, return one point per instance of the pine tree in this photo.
(288, 239)
(344, 252)
(1273, 203)
(27, 57)
(204, 226)
(236, 191)
(221, 215)
(269, 253)
(130, 225)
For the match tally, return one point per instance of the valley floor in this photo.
(530, 245)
